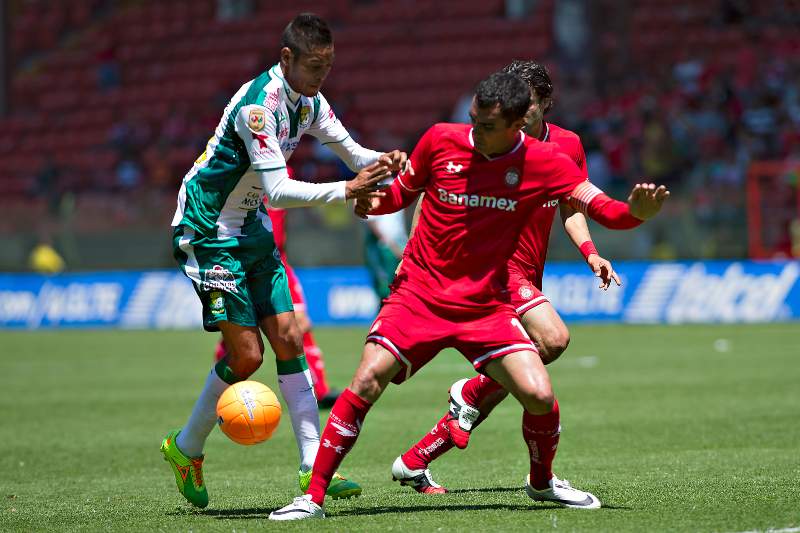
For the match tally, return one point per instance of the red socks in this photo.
(337, 439)
(435, 443)
(478, 388)
(316, 365)
(541, 433)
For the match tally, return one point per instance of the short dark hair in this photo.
(507, 90)
(306, 32)
(536, 76)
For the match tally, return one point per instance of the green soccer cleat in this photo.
(188, 471)
(339, 487)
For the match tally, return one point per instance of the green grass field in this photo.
(674, 428)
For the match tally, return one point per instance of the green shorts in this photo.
(239, 280)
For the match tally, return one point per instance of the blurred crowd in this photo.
(694, 119)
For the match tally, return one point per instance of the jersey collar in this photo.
(516, 147)
(546, 136)
(292, 96)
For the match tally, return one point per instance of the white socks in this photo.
(204, 415)
(298, 392)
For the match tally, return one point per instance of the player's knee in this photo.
(553, 343)
(538, 400)
(289, 335)
(366, 384)
(245, 361)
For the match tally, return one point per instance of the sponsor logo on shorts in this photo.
(512, 177)
(256, 119)
(475, 200)
(550, 203)
(526, 293)
(220, 278)
(217, 302)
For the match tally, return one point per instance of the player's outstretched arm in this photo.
(645, 201)
(578, 231)
(283, 192)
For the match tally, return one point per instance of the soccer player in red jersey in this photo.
(471, 400)
(481, 183)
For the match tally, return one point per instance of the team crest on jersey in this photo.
(216, 303)
(512, 177)
(256, 119)
(526, 293)
(305, 116)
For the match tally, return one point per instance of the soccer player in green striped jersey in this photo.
(223, 239)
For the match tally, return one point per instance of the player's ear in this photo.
(287, 56)
(547, 104)
(518, 124)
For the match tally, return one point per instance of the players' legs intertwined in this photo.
(545, 327)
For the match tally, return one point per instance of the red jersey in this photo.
(531, 251)
(473, 212)
(278, 217)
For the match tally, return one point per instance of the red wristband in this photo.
(587, 249)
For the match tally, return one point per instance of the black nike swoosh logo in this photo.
(585, 501)
(292, 511)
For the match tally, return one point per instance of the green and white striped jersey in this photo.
(222, 195)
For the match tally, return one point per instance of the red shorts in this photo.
(295, 289)
(525, 291)
(415, 331)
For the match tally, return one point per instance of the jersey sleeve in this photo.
(327, 128)
(420, 162)
(407, 186)
(257, 127)
(564, 176)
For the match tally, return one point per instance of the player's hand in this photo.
(397, 161)
(364, 205)
(367, 182)
(602, 269)
(646, 199)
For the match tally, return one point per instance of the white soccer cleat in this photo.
(419, 480)
(562, 493)
(300, 509)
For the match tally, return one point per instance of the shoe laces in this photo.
(563, 483)
(197, 470)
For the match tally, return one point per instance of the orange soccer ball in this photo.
(248, 412)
